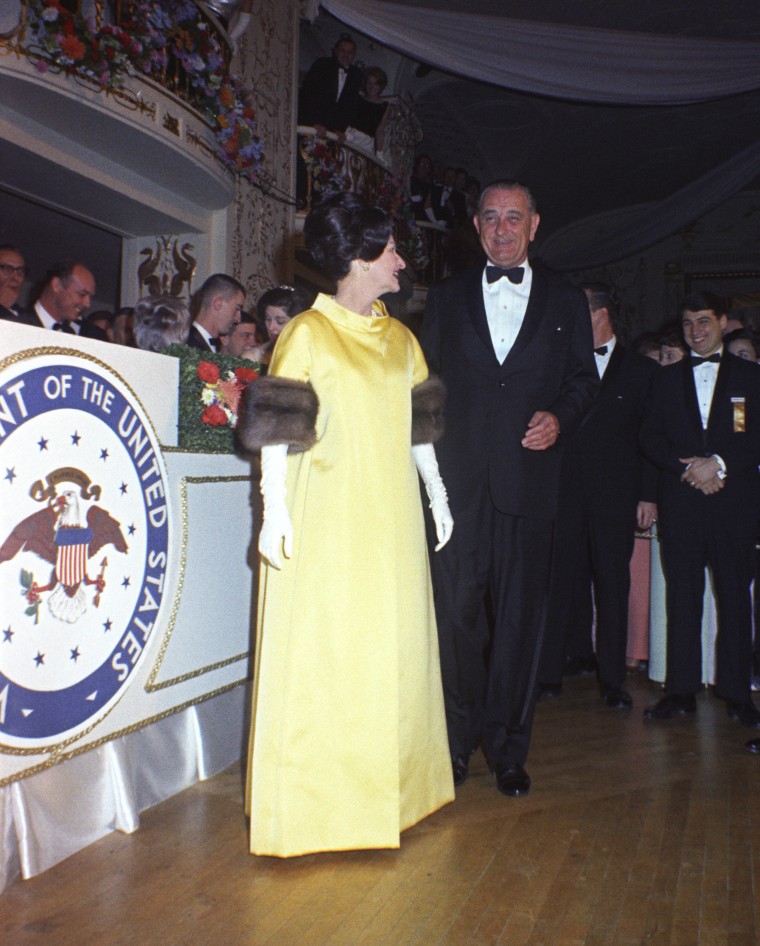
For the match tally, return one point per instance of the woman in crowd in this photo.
(275, 309)
(160, 321)
(672, 345)
(742, 343)
(348, 739)
(372, 108)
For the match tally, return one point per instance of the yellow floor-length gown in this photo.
(348, 736)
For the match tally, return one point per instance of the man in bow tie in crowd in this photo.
(217, 305)
(66, 294)
(606, 490)
(702, 430)
(330, 92)
(513, 345)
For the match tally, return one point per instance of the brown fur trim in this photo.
(277, 410)
(428, 400)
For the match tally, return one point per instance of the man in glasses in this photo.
(12, 275)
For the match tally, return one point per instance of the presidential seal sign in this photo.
(84, 526)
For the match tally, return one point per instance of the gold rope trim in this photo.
(57, 757)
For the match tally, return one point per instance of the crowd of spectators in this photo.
(213, 320)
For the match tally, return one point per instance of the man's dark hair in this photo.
(220, 284)
(704, 299)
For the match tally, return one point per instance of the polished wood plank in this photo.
(635, 833)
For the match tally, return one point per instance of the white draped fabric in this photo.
(580, 63)
(49, 816)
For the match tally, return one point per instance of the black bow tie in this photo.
(601, 350)
(214, 343)
(64, 326)
(695, 360)
(495, 273)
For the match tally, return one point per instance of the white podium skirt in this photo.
(49, 816)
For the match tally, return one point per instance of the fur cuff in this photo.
(428, 399)
(278, 410)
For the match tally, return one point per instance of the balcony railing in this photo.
(118, 13)
(329, 164)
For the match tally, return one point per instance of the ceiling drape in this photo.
(579, 63)
(588, 65)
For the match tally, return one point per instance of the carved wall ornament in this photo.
(166, 270)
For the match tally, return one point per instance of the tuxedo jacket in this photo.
(672, 429)
(488, 406)
(317, 101)
(19, 316)
(603, 457)
(196, 340)
(453, 210)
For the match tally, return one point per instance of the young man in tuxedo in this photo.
(513, 346)
(702, 430)
(606, 490)
(218, 304)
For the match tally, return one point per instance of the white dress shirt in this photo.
(705, 376)
(47, 319)
(506, 303)
(603, 360)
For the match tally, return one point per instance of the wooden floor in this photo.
(634, 833)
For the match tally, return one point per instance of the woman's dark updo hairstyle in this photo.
(292, 299)
(343, 228)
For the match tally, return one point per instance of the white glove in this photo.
(276, 530)
(241, 25)
(427, 466)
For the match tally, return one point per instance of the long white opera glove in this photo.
(427, 466)
(239, 27)
(276, 530)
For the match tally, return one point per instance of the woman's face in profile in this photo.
(387, 267)
(275, 319)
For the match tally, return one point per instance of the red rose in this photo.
(245, 375)
(208, 372)
(214, 416)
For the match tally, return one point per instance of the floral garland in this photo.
(325, 164)
(210, 388)
(150, 36)
(221, 397)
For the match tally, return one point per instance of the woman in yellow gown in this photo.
(348, 737)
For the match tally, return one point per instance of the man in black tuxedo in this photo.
(217, 304)
(702, 430)
(448, 203)
(330, 92)
(513, 345)
(606, 490)
(66, 295)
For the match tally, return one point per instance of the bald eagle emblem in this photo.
(62, 535)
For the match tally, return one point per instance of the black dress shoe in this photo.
(460, 769)
(746, 713)
(670, 706)
(513, 780)
(753, 746)
(616, 697)
(548, 691)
